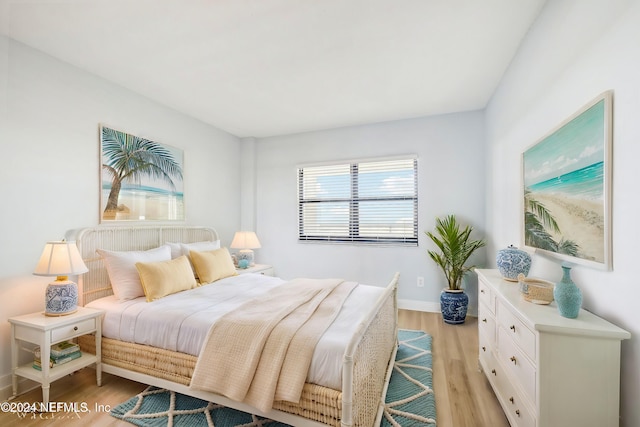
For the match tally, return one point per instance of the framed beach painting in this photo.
(140, 179)
(567, 188)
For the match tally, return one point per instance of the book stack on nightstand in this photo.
(61, 353)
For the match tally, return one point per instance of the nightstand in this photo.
(43, 330)
(263, 269)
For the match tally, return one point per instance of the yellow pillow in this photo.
(163, 278)
(212, 265)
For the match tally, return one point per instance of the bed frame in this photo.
(367, 362)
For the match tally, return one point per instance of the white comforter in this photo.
(180, 322)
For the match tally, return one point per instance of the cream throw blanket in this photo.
(262, 351)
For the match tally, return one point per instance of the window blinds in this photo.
(366, 202)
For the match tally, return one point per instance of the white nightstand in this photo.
(264, 269)
(43, 330)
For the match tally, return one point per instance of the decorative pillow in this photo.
(121, 267)
(163, 278)
(212, 265)
(186, 248)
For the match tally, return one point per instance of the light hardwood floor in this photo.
(463, 395)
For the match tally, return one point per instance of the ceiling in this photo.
(258, 68)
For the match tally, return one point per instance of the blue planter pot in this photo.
(453, 305)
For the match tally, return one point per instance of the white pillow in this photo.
(199, 246)
(179, 249)
(176, 250)
(121, 267)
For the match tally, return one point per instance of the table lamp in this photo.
(61, 259)
(245, 241)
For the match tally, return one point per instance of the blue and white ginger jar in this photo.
(513, 261)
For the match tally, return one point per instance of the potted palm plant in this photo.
(455, 247)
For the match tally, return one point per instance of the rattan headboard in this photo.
(95, 283)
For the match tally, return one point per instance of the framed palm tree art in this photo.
(141, 180)
(567, 188)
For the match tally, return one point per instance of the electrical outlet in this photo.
(420, 281)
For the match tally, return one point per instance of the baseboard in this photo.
(24, 385)
(428, 307)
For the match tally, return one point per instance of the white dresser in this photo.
(547, 370)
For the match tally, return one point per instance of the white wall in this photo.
(575, 51)
(49, 179)
(450, 149)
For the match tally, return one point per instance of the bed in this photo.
(355, 398)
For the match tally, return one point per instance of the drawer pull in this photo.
(484, 348)
(482, 291)
(493, 371)
(518, 412)
(513, 328)
(511, 400)
(484, 320)
(75, 328)
(513, 359)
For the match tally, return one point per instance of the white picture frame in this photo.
(567, 188)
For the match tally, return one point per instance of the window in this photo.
(365, 202)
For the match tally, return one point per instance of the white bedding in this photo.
(180, 322)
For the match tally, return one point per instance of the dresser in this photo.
(547, 370)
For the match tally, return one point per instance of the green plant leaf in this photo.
(455, 247)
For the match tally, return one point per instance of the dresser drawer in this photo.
(515, 361)
(485, 349)
(516, 408)
(486, 296)
(487, 323)
(518, 331)
(73, 330)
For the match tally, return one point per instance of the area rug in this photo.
(410, 400)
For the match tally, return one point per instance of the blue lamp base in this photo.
(245, 254)
(61, 298)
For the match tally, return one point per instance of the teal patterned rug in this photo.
(410, 400)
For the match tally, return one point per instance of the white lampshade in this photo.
(60, 259)
(245, 241)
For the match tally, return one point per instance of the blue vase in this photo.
(453, 305)
(513, 261)
(567, 295)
